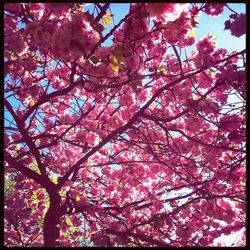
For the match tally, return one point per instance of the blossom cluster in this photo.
(72, 39)
(236, 24)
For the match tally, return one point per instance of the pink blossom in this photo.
(230, 122)
(132, 62)
(206, 45)
(214, 9)
(221, 97)
(204, 81)
(91, 138)
(14, 42)
(126, 100)
(156, 10)
(58, 8)
(12, 6)
(142, 97)
(165, 11)
(238, 26)
(40, 33)
(235, 136)
(204, 60)
(10, 24)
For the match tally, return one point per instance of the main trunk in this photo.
(51, 228)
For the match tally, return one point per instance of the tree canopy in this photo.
(122, 133)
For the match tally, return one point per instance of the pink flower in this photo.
(107, 170)
(220, 96)
(219, 54)
(126, 115)
(230, 122)
(176, 31)
(204, 81)
(156, 9)
(12, 6)
(238, 26)
(40, 33)
(14, 42)
(92, 138)
(48, 123)
(138, 25)
(127, 100)
(63, 108)
(10, 24)
(36, 9)
(132, 62)
(204, 60)
(184, 90)
(115, 225)
(206, 45)
(61, 39)
(91, 38)
(74, 38)
(214, 9)
(235, 136)
(165, 11)
(193, 124)
(142, 97)
(58, 8)
(40, 196)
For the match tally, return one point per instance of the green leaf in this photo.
(192, 33)
(40, 221)
(68, 221)
(9, 187)
(163, 70)
(106, 20)
(72, 230)
(114, 64)
(78, 197)
(54, 178)
(35, 168)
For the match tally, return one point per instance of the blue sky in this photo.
(215, 26)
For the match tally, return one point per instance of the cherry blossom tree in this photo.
(137, 143)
